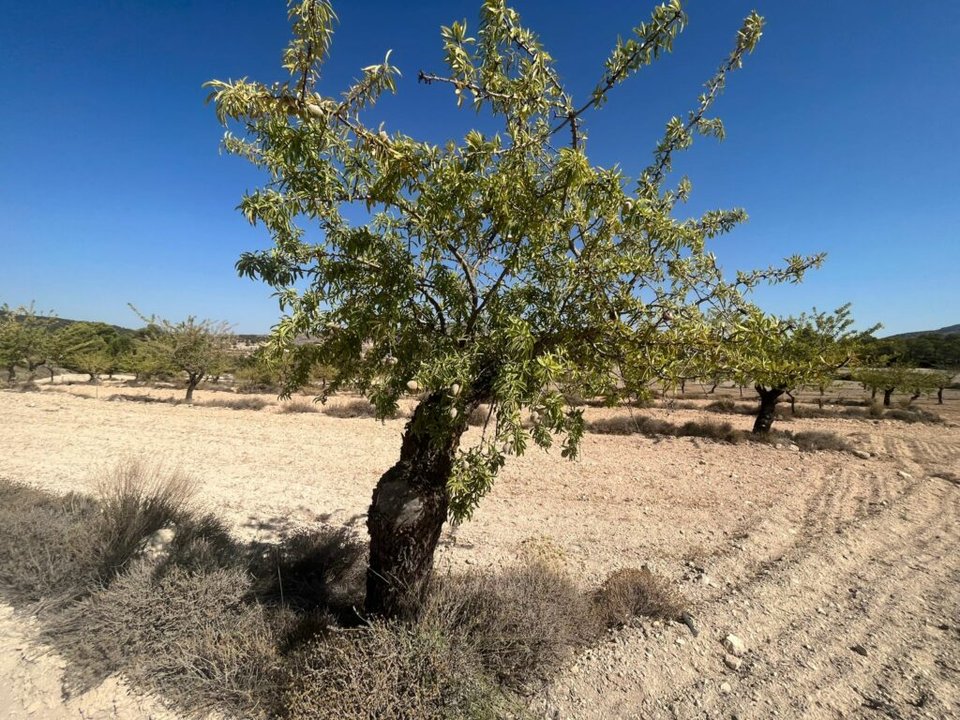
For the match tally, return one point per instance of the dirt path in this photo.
(802, 555)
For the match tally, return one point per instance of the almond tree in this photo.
(504, 269)
(196, 348)
(24, 339)
(781, 355)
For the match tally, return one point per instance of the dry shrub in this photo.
(353, 409)
(479, 415)
(723, 432)
(651, 427)
(814, 440)
(298, 406)
(913, 416)
(320, 569)
(237, 403)
(188, 636)
(128, 397)
(725, 406)
(520, 623)
(616, 425)
(47, 544)
(860, 413)
(630, 593)
(390, 671)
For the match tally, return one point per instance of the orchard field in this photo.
(837, 569)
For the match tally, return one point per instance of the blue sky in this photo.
(840, 138)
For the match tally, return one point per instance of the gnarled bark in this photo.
(769, 397)
(409, 508)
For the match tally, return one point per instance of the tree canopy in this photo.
(502, 268)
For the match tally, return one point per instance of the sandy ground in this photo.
(802, 555)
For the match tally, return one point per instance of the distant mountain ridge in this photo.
(948, 330)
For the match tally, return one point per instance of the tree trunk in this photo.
(11, 373)
(683, 387)
(409, 508)
(793, 403)
(939, 396)
(873, 393)
(192, 382)
(768, 409)
(887, 394)
(820, 399)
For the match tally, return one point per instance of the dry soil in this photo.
(840, 574)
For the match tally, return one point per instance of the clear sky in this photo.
(840, 137)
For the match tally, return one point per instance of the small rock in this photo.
(734, 645)
(725, 688)
(862, 454)
(904, 475)
(732, 661)
(164, 535)
(859, 650)
(793, 448)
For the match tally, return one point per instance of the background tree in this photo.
(783, 355)
(94, 348)
(503, 269)
(897, 377)
(942, 379)
(24, 339)
(196, 348)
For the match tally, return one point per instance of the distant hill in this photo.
(948, 330)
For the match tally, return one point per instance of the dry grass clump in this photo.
(479, 415)
(391, 671)
(237, 403)
(520, 623)
(810, 440)
(46, 544)
(358, 408)
(632, 592)
(816, 440)
(55, 550)
(298, 406)
(652, 427)
(729, 406)
(913, 416)
(137, 501)
(128, 397)
(188, 636)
